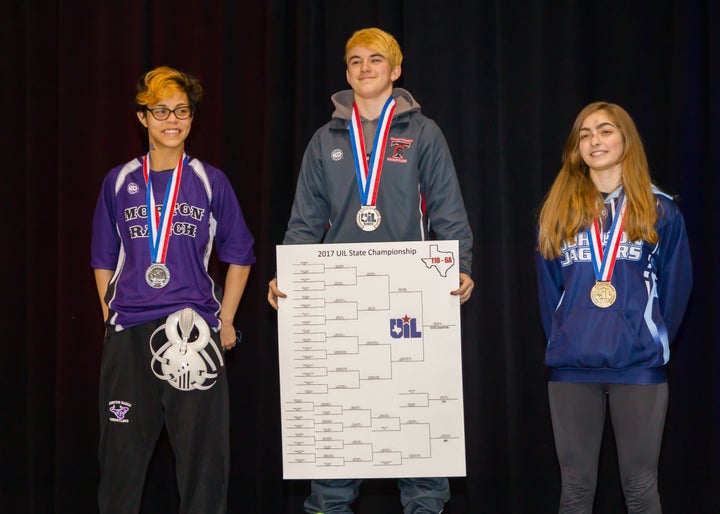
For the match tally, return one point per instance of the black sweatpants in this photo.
(134, 405)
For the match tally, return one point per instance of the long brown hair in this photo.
(573, 201)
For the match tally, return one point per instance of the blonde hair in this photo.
(573, 201)
(164, 81)
(377, 40)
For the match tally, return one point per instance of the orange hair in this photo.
(164, 81)
(377, 40)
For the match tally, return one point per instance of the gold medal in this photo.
(603, 294)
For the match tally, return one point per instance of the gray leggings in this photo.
(637, 413)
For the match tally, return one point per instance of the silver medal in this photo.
(157, 276)
(368, 218)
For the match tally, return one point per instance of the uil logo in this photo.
(404, 328)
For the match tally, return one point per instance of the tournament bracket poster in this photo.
(370, 360)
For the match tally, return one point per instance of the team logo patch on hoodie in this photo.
(398, 146)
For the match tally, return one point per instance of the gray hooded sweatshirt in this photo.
(418, 195)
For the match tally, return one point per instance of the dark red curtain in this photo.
(503, 79)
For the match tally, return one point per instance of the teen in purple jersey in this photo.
(157, 220)
(614, 278)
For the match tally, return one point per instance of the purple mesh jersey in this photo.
(206, 213)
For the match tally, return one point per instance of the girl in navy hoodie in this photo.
(614, 277)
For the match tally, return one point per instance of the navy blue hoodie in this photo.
(629, 341)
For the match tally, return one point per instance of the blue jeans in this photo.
(417, 495)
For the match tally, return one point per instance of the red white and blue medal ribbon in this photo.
(368, 174)
(160, 222)
(603, 293)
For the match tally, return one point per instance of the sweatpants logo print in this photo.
(119, 409)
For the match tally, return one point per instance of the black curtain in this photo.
(503, 79)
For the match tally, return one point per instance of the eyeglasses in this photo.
(162, 113)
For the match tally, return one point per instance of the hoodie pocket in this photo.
(594, 338)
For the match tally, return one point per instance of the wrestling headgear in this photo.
(183, 358)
